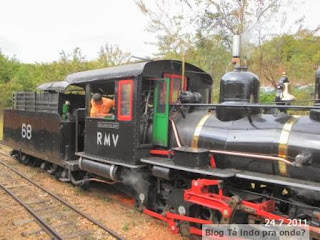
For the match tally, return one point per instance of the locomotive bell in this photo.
(286, 95)
(283, 90)
(237, 87)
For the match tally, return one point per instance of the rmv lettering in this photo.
(106, 139)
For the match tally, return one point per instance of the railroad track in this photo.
(56, 217)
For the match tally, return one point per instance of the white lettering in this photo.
(29, 131)
(23, 130)
(115, 139)
(106, 140)
(26, 131)
(99, 138)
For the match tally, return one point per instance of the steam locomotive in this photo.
(184, 160)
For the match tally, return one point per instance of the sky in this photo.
(38, 30)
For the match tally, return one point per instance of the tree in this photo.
(74, 61)
(16, 76)
(6, 90)
(179, 21)
(8, 67)
(171, 21)
(8, 80)
(235, 17)
(202, 29)
(111, 55)
(296, 54)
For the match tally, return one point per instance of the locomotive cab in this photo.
(144, 94)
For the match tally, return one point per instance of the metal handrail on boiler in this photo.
(247, 105)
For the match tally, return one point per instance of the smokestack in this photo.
(236, 49)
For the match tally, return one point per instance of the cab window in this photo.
(105, 107)
(176, 85)
(162, 97)
(125, 93)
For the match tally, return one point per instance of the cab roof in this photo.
(54, 86)
(145, 69)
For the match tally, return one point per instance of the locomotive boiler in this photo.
(237, 126)
(183, 159)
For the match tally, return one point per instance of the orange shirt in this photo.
(101, 110)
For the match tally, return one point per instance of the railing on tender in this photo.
(36, 102)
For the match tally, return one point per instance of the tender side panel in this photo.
(35, 133)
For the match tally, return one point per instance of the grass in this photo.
(125, 227)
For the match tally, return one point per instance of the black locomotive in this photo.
(184, 160)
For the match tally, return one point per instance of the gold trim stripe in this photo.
(197, 131)
(283, 144)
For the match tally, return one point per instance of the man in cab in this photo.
(100, 106)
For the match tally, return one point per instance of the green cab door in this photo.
(161, 113)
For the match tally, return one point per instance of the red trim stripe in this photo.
(172, 76)
(120, 84)
(161, 152)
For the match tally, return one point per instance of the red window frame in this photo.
(120, 84)
(173, 76)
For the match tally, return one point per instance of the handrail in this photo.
(77, 127)
(249, 105)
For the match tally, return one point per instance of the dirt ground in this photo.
(101, 202)
(1, 124)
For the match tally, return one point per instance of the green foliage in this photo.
(215, 94)
(6, 90)
(125, 227)
(296, 54)
(112, 55)
(16, 76)
(305, 96)
(206, 42)
(169, 19)
(266, 97)
(1, 125)
(8, 67)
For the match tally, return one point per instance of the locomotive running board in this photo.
(168, 163)
(290, 182)
(83, 155)
(227, 173)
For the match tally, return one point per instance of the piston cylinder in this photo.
(101, 169)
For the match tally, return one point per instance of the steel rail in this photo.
(49, 230)
(110, 231)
